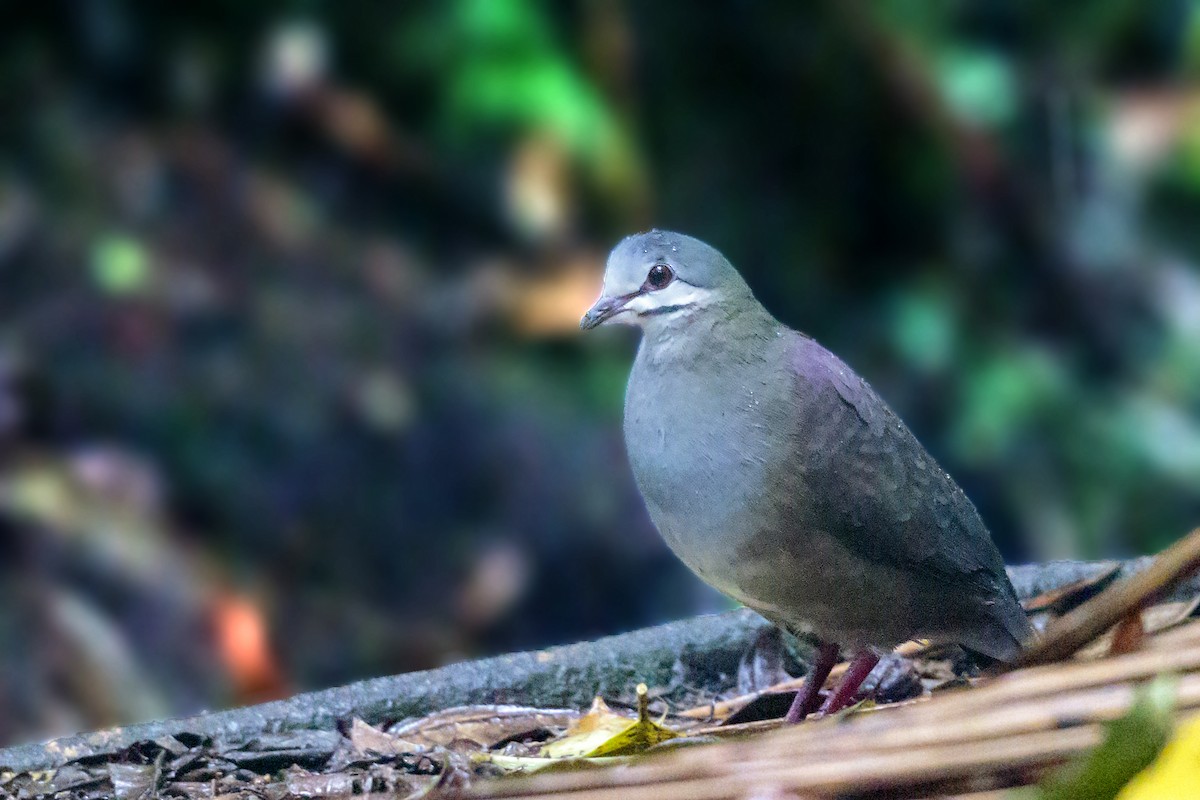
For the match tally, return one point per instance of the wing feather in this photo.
(881, 493)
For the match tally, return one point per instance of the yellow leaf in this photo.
(1174, 774)
(599, 737)
(601, 732)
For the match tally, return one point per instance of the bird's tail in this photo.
(1003, 634)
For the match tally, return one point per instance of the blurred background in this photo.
(291, 389)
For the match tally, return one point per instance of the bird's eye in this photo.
(659, 276)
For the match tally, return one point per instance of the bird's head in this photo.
(659, 278)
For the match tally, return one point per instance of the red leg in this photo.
(810, 692)
(843, 695)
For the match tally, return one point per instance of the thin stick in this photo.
(720, 777)
(1075, 629)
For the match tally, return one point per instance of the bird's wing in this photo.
(877, 489)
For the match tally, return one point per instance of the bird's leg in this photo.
(857, 672)
(810, 692)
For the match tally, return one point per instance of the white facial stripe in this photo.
(677, 294)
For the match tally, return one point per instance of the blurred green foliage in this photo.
(119, 265)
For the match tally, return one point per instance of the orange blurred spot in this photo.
(243, 642)
(554, 304)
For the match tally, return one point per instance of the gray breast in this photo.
(700, 446)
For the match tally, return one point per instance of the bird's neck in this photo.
(708, 331)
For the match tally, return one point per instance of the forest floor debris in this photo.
(1116, 671)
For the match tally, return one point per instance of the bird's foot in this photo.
(809, 697)
(843, 695)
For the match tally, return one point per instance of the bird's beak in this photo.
(604, 308)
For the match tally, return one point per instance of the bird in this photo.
(782, 479)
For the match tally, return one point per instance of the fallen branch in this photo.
(566, 676)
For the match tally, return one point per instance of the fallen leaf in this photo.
(1128, 635)
(369, 739)
(65, 778)
(1173, 774)
(1063, 598)
(133, 781)
(1155, 619)
(602, 732)
(1130, 745)
(487, 725)
(302, 783)
(601, 736)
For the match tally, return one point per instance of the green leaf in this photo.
(1130, 745)
(1174, 772)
